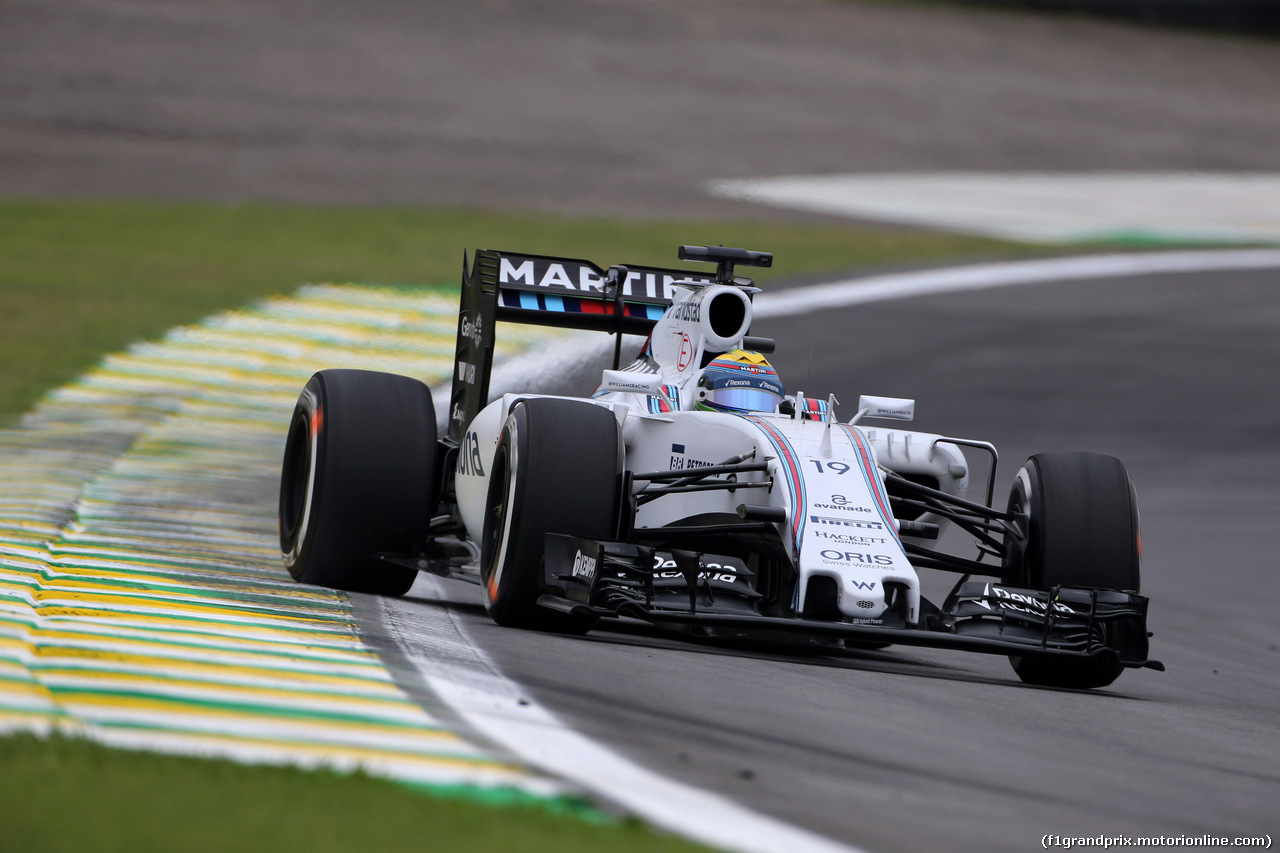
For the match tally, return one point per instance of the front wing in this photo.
(688, 589)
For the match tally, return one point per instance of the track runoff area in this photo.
(143, 603)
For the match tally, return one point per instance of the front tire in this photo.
(557, 469)
(358, 478)
(1079, 527)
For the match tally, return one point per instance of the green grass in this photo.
(79, 280)
(73, 796)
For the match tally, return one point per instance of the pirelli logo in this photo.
(846, 522)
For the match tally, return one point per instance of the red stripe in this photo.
(797, 513)
(877, 488)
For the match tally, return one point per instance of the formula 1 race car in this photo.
(691, 492)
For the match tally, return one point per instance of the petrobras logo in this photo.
(846, 522)
(584, 567)
(680, 462)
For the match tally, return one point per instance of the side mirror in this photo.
(887, 408)
(635, 383)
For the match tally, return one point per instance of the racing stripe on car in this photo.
(871, 477)
(657, 405)
(143, 602)
(795, 480)
(531, 301)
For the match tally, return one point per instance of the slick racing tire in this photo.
(358, 479)
(557, 469)
(1079, 528)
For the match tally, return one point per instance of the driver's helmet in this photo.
(739, 381)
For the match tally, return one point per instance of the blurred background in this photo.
(161, 159)
(621, 109)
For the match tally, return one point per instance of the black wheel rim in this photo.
(294, 478)
(494, 512)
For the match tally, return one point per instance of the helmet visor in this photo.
(744, 399)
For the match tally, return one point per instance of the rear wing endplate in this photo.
(547, 291)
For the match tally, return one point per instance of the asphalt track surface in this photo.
(909, 749)
(598, 106)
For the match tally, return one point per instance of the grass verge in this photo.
(82, 279)
(65, 795)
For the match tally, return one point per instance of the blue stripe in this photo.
(795, 482)
(554, 303)
(528, 301)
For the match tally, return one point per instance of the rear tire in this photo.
(557, 469)
(1080, 528)
(358, 478)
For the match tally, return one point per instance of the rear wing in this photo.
(547, 291)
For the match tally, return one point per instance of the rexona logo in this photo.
(469, 456)
(845, 522)
(584, 567)
(856, 557)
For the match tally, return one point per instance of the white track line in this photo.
(838, 294)
(467, 679)
(461, 674)
(1169, 207)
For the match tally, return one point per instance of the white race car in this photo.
(690, 491)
